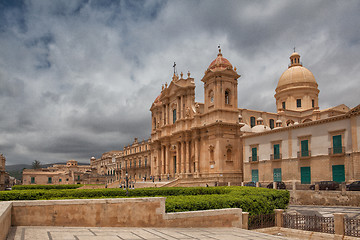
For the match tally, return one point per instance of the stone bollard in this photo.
(274, 185)
(242, 183)
(317, 189)
(229, 184)
(293, 185)
(279, 217)
(343, 189)
(245, 220)
(339, 223)
(257, 184)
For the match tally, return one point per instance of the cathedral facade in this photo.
(192, 140)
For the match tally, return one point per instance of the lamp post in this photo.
(127, 184)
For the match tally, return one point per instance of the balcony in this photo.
(304, 154)
(254, 159)
(336, 151)
(276, 156)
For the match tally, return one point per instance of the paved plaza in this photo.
(324, 211)
(86, 233)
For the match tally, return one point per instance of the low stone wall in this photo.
(338, 198)
(119, 212)
(5, 219)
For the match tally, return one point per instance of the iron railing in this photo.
(337, 151)
(304, 154)
(254, 159)
(261, 221)
(309, 223)
(352, 227)
(276, 156)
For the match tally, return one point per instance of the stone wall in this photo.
(5, 219)
(339, 198)
(135, 212)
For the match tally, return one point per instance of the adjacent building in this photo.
(4, 176)
(69, 173)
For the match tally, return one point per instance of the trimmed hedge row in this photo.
(43, 194)
(253, 200)
(32, 187)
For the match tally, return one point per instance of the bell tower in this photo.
(220, 88)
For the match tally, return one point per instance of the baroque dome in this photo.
(220, 63)
(296, 75)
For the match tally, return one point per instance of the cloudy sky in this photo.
(77, 78)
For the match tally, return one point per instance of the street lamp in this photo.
(127, 184)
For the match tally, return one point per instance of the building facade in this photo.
(4, 176)
(135, 160)
(192, 140)
(69, 173)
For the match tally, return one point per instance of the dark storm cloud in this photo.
(77, 78)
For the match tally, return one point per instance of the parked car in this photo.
(354, 186)
(251, 184)
(279, 185)
(326, 185)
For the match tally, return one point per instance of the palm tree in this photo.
(36, 164)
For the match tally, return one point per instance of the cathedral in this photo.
(216, 141)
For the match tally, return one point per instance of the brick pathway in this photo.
(82, 233)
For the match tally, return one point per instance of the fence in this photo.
(352, 227)
(261, 221)
(309, 223)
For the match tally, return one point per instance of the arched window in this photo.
(252, 121)
(271, 123)
(174, 115)
(290, 122)
(227, 97)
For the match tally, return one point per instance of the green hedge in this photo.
(253, 200)
(32, 187)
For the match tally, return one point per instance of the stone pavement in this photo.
(324, 211)
(82, 233)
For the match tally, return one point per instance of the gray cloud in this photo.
(77, 78)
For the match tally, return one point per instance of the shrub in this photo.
(178, 199)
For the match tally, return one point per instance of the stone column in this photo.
(162, 161)
(167, 113)
(178, 157)
(178, 111)
(188, 145)
(158, 170)
(339, 223)
(279, 217)
(183, 156)
(197, 141)
(245, 220)
(167, 155)
(164, 115)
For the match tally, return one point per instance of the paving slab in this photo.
(81, 233)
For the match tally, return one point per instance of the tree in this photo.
(36, 164)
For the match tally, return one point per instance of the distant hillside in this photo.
(16, 169)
